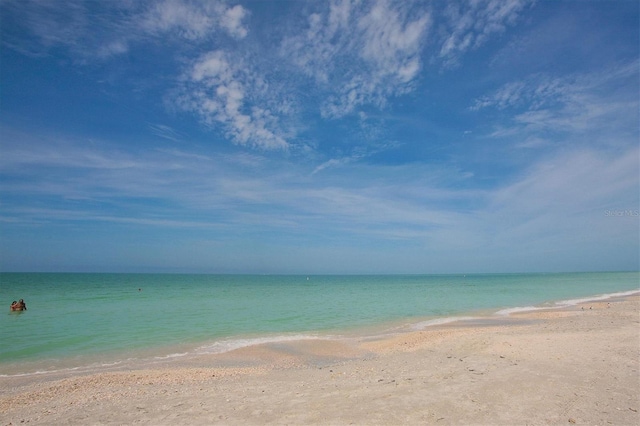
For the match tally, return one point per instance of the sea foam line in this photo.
(573, 302)
(217, 347)
(79, 369)
(440, 321)
(223, 346)
(567, 303)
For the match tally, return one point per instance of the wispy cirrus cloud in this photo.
(546, 207)
(561, 205)
(165, 132)
(355, 156)
(468, 25)
(574, 104)
(556, 198)
(48, 151)
(106, 29)
(362, 53)
(533, 93)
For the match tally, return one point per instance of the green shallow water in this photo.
(79, 316)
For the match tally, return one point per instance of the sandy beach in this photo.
(576, 365)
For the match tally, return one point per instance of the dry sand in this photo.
(579, 365)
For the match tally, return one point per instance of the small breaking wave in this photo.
(573, 302)
(567, 303)
(223, 346)
(440, 321)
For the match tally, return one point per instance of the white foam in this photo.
(517, 309)
(440, 321)
(573, 302)
(567, 303)
(64, 370)
(215, 348)
(175, 355)
(40, 372)
(233, 344)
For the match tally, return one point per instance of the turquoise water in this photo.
(72, 318)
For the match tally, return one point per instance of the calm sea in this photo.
(79, 319)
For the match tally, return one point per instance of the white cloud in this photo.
(116, 47)
(334, 162)
(362, 53)
(469, 24)
(216, 87)
(165, 132)
(232, 21)
(356, 155)
(107, 29)
(212, 66)
(510, 94)
(47, 151)
(194, 19)
(391, 41)
(533, 92)
(190, 22)
(585, 105)
(353, 55)
(52, 24)
(577, 182)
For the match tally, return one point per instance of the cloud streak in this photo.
(572, 187)
(102, 30)
(578, 104)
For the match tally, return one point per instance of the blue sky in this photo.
(319, 137)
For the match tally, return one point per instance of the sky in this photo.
(310, 137)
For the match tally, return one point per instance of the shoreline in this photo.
(183, 354)
(577, 363)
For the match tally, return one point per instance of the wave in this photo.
(567, 303)
(229, 345)
(440, 321)
(573, 302)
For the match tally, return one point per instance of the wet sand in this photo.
(576, 365)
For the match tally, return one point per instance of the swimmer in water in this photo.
(19, 305)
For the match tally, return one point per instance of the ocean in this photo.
(77, 321)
